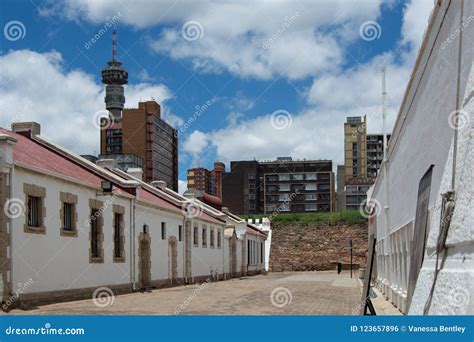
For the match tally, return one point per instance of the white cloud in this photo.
(195, 143)
(415, 21)
(182, 186)
(295, 39)
(36, 87)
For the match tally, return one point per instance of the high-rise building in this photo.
(282, 185)
(137, 137)
(209, 182)
(363, 155)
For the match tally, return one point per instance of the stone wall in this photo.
(316, 247)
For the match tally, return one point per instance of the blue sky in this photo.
(280, 76)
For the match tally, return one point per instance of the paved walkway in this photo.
(298, 293)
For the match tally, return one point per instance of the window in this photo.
(35, 209)
(96, 252)
(248, 252)
(163, 230)
(261, 252)
(219, 239)
(34, 216)
(204, 236)
(211, 238)
(297, 176)
(68, 214)
(310, 186)
(311, 197)
(311, 207)
(284, 187)
(180, 233)
(311, 176)
(94, 233)
(283, 177)
(118, 236)
(196, 235)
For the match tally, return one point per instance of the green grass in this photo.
(349, 217)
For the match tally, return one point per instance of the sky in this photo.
(239, 80)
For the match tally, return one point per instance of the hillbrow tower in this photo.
(114, 76)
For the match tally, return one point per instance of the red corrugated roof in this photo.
(32, 153)
(147, 196)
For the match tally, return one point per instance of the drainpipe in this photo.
(132, 243)
(184, 236)
(10, 234)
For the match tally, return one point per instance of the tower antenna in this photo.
(114, 40)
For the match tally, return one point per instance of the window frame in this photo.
(119, 222)
(95, 210)
(34, 191)
(69, 199)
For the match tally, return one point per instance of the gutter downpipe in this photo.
(132, 243)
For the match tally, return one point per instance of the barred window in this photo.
(196, 236)
(118, 236)
(68, 216)
(218, 239)
(163, 230)
(180, 233)
(34, 211)
(204, 236)
(94, 233)
(211, 238)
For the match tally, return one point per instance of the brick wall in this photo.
(316, 247)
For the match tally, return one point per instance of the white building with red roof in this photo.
(69, 227)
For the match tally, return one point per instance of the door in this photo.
(145, 260)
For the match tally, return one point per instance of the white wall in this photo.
(57, 262)
(423, 136)
(152, 217)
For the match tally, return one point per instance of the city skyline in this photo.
(222, 107)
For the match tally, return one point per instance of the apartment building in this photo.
(282, 185)
(363, 155)
(207, 181)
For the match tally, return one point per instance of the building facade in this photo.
(423, 196)
(72, 227)
(283, 185)
(142, 139)
(363, 155)
(207, 181)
